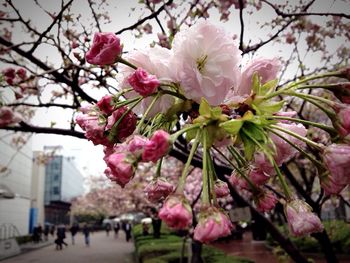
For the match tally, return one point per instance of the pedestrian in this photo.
(74, 230)
(40, 233)
(145, 229)
(116, 229)
(46, 232)
(35, 235)
(61, 235)
(86, 233)
(127, 230)
(52, 230)
(108, 228)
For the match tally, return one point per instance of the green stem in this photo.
(188, 128)
(321, 86)
(284, 184)
(181, 184)
(123, 61)
(127, 102)
(173, 93)
(159, 167)
(326, 128)
(205, 172)
(213, 176)
(309, 142)
(244, 176)
(137, 130)
(238, 156)
(311, 158)
(313, 97)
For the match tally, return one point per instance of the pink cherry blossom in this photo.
(237, 181)
(157, 147)
(257, 176)
(21, 73)
(342, 122)
(94, 129)
(158, 62)
(136, 145)
(176, 212)
(158, 189)
(8, 116)
(337, 159)
(126, 126)
(221, 189)
(9, 73)
(207, 62)
(143, 83)
(301, 220)
(106, 104)
(266, 201)
(212, 225)
(105, 49)
(267, 69)
(120, 168)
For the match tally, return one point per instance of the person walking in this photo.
(108, 228)
(86, 233)
(61, 235)
(127, 230)
(74, 230)
(46, 232)
(116, 228)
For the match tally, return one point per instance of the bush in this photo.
(24, 239)
(167, 249)
(339, 234)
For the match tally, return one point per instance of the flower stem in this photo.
(326, 128)
(186, 129)
(159, 167)
(237, 156)
(205, 172)
(181, 184)
(123, 61)
(139, 125)
(284, 184)
(172, 93)
(301, 138)
(212, 175)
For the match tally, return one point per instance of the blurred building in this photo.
(15, 182)
(63, 182)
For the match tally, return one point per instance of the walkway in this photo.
(102, 249)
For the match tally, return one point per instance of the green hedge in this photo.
(23, 239)
(167, 249)
(339, 234)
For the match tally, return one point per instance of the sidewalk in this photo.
(102, 249)
(27, 247)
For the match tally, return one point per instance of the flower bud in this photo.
(143, 83)
(157, 147)
(158, 189)
(266, 201)
(120, 168)
(221, 189)
(176, 212)
(106, 104)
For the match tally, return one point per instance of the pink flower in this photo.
(94, 129)
(143, 83)
(9, 73)
(342, 92)
(212, 225)
(136, 145)
(8, 117)
(106, 104)
(337, 159)
(237, 181)
(105, 49)
(176, 212)
(221, 189)
(120, 169)
(267, 69)
(156, 61)
(342, 122)
(126, 126)
(158, 189)
(345, 73)
(157, 147)
(207, 62)
(258, 177)
(301, 220)
(266, 201)
(21, 73)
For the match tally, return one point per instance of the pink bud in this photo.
(120, 168)
(8, 117)
(157, 147)
(212, 225)
(126, 126)
(106, 104)
(9, 73)
(237, 181)
(105, 49)
(136, 145)
(21, 73)
(342, 121)
(337, 159)
(301, 220)
(221, 189)
(158, 189)
(143, 83)
(176, 212)
(266, 201)
(74, 44)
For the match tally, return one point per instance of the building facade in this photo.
(63, 182)
(15, 183)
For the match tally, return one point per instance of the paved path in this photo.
(102, 249)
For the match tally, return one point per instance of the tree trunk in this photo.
(326, 245)
(196, 252)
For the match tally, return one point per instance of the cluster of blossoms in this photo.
(200, 86)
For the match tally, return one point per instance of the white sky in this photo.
(88, 156)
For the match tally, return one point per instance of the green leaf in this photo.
(268, 87)
(271, 107)
(255, 131)
(191, 134)
(204, 108)
(256, 83)
(249, 146)
(232, 126)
